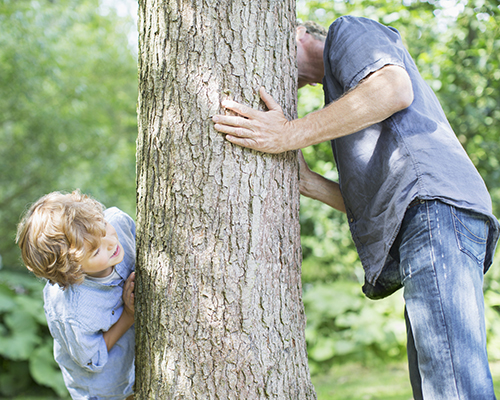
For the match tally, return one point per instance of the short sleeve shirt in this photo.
(77, 318)
(412, 154)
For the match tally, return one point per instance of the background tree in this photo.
(219, 309)
(67, 109)
(68, 74)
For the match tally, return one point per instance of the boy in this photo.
(87, 254)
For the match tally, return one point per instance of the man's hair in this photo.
(316, 30)
(56, 234)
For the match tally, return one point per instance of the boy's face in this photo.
(101, 261)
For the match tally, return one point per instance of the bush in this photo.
(27, 363)
(343, 325)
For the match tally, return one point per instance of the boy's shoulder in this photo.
(62, 303)
(119, 219)
(116, 213)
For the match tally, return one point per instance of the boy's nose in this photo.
(110, 243)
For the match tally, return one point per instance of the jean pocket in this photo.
(471, 230)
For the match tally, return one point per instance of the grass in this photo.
(358, 382)
(387, 382)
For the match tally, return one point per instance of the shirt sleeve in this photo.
(87, 349)
(358, 47)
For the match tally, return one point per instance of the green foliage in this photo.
(26, 347)
(67, 120)
(67, 110)
(344, 326)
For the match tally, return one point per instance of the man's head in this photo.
(310, 44)
(315, 30)
(57, 233)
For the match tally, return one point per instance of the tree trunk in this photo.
(219, 311)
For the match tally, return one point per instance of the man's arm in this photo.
(317, 187)
(126, 320)
(375, 99)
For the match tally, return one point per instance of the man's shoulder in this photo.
(350, 23)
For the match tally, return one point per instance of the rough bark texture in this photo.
(219, 312)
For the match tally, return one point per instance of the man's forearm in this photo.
(319, 188)
(379, 96)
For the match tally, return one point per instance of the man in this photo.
(418, 210)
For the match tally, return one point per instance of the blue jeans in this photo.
(441, 250)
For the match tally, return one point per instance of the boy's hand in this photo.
(128, 294)
(126, 320)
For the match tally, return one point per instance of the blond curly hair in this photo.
(57, 233)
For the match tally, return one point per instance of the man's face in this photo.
(301, 56)
(302, 81)
(309, 58)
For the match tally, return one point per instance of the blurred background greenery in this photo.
(68, 84)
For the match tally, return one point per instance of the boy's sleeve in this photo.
(87, 349)
(358, 47)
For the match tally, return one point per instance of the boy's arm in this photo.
(126, 320)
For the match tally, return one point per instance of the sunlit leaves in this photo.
(67, 110)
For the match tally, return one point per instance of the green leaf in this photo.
(45, 370)
(14, 378)
(323, 350)
(34, 307)
(22, 337)
(7, 296)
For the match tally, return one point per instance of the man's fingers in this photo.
(233, 130)
(245, 142)
(230, 120)
(269, 101)
(238, 108)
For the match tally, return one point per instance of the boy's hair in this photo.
(56, 234)
(316, 30)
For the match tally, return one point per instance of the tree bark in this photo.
(219, 311)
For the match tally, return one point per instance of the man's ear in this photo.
(300, 33)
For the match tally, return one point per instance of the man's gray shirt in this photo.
(412, 154)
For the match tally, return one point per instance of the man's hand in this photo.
(266, 131)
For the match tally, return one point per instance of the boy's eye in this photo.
(96, 252)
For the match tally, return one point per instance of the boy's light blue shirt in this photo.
(77, 318)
